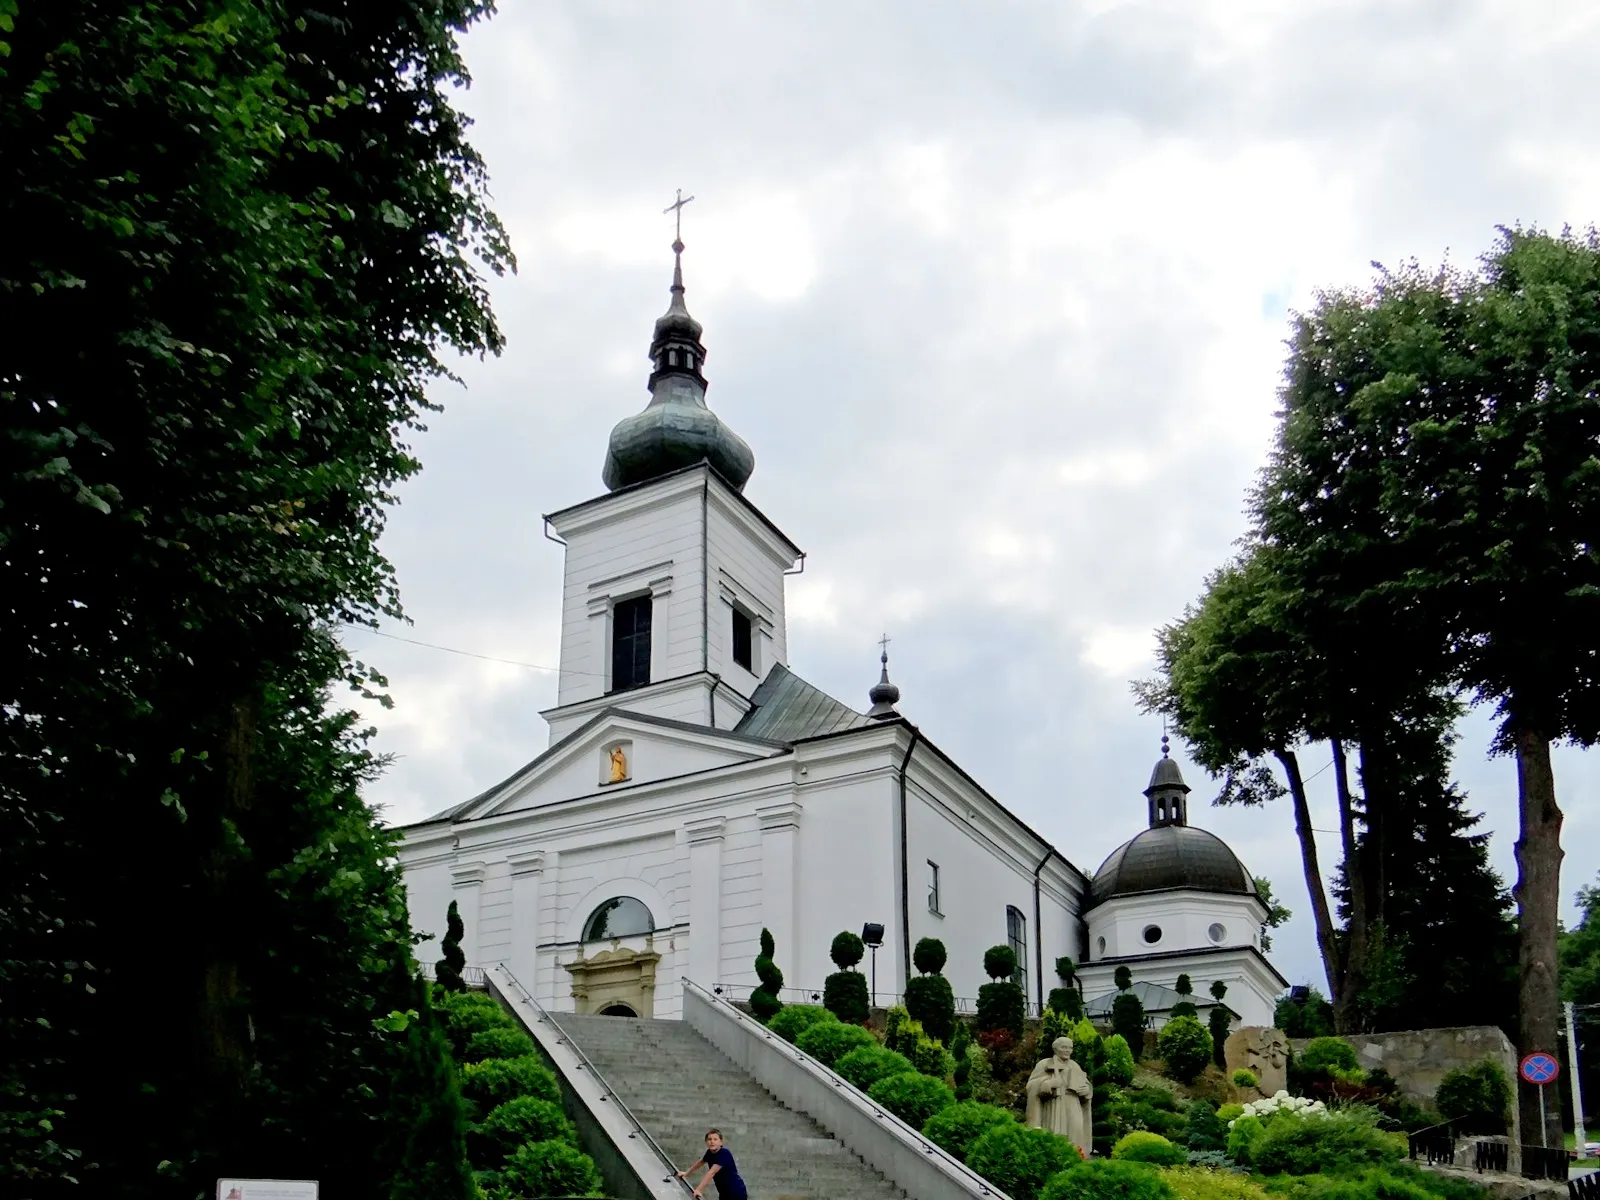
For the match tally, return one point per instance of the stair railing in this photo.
(607, 1092)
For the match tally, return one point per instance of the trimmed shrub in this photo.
(1000, 962)
(492, 1082)
(1067, 1002)
(764, 1002)
(829, 1041)
(1184, 1008)
(1244, 1135)
(1202, 1128)
(1001, 1005)
(912, 1097)
(795, 1019)
(846, 950)
(930, 1057)
(1337, 1142)
(1119, 1062)
(1185, 1047)
(1323, 1055)
(1217, 1023)
(464, 1014)
(452, 960)
(844, 994)
(929, 956)
(1478, 1097)
(550, 1169)
(1127, 1018)
(1123, 978)
(865, 1065)
(956, 1128)
(1230, 1112)
(895, 1021)
(1144, 1146)
(931, 1000)
(524, 1119)
(1244, 1079)
(1018, 1159)
(1200, 1183)
(1185, 986)
(1108, 1179)
(1052, 1025)
(498, 1043)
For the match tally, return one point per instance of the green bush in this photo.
(1000, 962)
(524, 1119)
(1018, 1159)
(844, 994)
(1312, 1017)
(1244, 1079)
(1001, 1006)
(764, 1002)
(912, 1097)
(1067, 1002)
(931, 1000)
(1244, 1136)
(865, 1065)
(1184, 1008)
(498, 1043)
(1341, 1141)
(1323, 1055)
(846, 950)
(1230, 1112)
(1119, 1062)
(956, 1128)
(452, 961)
(1143, 1146)
(550, 1169)
(931, 1058)
(829, 1041)
(467, 1013)
(929, 956)
(795, 1019)
(1201, 1183)
(1127, 1018)
(1476, 1097)
(1108, 1179)
(1202, 1128)
(895, 1021)
(492, 1082)
(1053, 1024)
(1185, 1047)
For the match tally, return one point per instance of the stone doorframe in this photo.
(615, 976)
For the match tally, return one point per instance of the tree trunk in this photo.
(1347, 839)
(1538, 894)
(1326, 943)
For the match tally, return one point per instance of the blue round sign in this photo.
(1539, 1067)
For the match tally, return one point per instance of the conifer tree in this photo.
(452, 959)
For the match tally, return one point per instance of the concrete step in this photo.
(677, 1085)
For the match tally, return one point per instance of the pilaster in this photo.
(780, 874)
(466, 889)
(705, 838)
(527, 874)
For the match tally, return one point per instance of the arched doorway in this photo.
(619, 981)
(617, 1010)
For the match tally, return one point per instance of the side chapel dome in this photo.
(1171, 853)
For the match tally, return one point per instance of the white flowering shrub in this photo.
(1282, 1102)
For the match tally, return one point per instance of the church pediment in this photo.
(617, 751)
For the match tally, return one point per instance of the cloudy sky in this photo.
(997, 293)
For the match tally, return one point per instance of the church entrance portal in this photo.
(617, 982)
(617, 1010)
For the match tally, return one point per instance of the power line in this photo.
(510, 662)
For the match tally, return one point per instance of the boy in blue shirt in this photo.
(719, 1164)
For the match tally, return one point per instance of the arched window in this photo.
(1017, 938)
(620, 916)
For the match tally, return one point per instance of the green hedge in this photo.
(844, 994)
(956, 1128)
(515, 1122)
(509, 1042)
(1018, 1159)
(492, 1082)
(865, 1065)
(829, 1041)
(912, 1097)
(795, 1019)
(1341, 1141)
(1143, 1146)
(550, 1169)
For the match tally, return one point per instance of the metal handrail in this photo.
(853, 1094)
(610, 1093)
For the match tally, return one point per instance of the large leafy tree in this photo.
(240, 235)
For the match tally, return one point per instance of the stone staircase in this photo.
(678, 1085)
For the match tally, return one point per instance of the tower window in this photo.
(933, 887)
(1017, 938)
(1152, 934)
(741, 640)
(630, 643)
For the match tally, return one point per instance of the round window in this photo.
(1102, 947)
(1217, 932)
(1152, 934)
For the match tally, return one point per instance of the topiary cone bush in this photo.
(1123, 978)
(1185, 1047)
(1127, 1018)
(929, 997)
(1001, 1004)
(764, 1001)
(1067, 999)
(1184, 986)
(452, 960)
(1218, 1023)
(844, 993)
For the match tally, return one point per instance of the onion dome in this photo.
(676, 429)
(1171, 853)
(884, 695)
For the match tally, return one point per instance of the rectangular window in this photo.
(630, 643)
(933, 887)
(741, 640)
(1017, 937)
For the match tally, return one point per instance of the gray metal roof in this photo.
(1171, 856)
(1152, 996)
(786, 709)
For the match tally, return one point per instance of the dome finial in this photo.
(884, 695)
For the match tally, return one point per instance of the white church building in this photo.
(695, 789)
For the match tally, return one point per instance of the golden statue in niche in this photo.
(619, 765)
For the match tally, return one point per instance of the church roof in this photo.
(785, 708)
(1152, 996)
(1171, 856)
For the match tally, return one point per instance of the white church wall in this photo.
(1184, 917)
(745, 562)
(426, 865)
(1253, 988)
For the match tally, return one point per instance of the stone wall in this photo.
(1419, 1058)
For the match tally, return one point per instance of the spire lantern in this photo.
(1168, 794)
(884, 695)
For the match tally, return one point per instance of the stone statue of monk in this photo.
(1059, 1093)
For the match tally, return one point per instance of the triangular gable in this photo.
(641, 748)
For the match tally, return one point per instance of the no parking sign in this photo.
(1539, 1068)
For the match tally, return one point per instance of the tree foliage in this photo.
(765, 1001)
(252, 229)
(452, 959)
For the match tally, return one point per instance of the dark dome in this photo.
(675, 430)
(1170, 856)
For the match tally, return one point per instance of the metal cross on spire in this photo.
(676, 208)
(883, 645)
